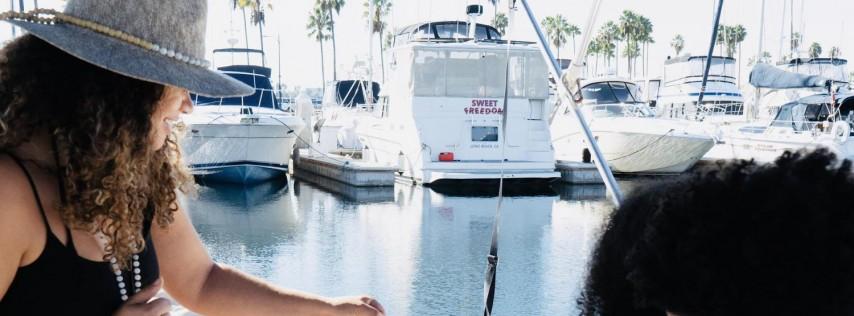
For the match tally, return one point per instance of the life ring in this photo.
(840, 131)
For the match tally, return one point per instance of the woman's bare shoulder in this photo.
(17, 209)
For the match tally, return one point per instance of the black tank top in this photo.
(59, 282)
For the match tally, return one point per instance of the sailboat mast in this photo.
(711, 51)
(751, 112)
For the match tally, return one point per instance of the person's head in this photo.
(116, 148)
(740, 239)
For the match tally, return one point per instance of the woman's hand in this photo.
(139, 305)
(357, 306)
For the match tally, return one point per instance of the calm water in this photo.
(418, 251)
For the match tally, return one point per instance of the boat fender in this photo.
(841, 130)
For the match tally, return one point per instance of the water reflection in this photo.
(420, 251)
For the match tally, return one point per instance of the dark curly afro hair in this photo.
(736, 239)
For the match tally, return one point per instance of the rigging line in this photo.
(492, 258)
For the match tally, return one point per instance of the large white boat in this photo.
(241, 140)
(441, 116)
(631, 138)
(835, 69)
(820, 120)
(683, 79)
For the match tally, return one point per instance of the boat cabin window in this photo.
(609, 92)
(484, 133)
(478, 74)
(447, 30)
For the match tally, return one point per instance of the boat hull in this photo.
(639, 145)
(240, 153)
(246, 172)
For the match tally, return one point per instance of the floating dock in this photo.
(578, 172)
(343, 169)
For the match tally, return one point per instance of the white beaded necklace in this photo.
(120, 280)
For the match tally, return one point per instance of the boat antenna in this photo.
(711, 51)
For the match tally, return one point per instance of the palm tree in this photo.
(796, 42)
(557, 28)
(329, 6)
(495, 9)
(573, 30)
(608, 35)
(258, 16)
(645, 37)
(500, 22)
(835, 52)
(815, 50)
(628, 26)
(678, 43)
(593, 50)
(765, 58)
(377, 18)
(318, 25)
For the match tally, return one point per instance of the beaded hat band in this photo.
(150, 40)
(53, 17)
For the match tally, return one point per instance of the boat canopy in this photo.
(831, 68)
(767, 76)
(806, 112)
(694, 66)
(353, 92)
(254, 76)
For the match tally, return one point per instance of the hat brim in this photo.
(134, 61)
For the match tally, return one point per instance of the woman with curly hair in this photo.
(90, 222)
(738, 239)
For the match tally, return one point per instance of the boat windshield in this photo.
(801, 116)
(610, 93)
(617, 110)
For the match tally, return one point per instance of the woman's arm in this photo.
(195, 281)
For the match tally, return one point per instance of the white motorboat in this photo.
(820, 120)
(835, 69)
(631, 138)
(440, 119)
(241, 140)
(683, 79)
(345, 102)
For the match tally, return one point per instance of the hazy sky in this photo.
(821, 21)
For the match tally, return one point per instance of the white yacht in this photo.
(683, 78)
(820, 120)
(241, 140)
(440, 119)
(344, 103)
(835, 69)
(631, 138)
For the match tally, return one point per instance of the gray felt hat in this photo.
(159, 41)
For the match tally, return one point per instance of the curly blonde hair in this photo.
(113, 179)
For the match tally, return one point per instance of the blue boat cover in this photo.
(767, 76)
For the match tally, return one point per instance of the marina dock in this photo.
(578, 172)
(343, 169)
